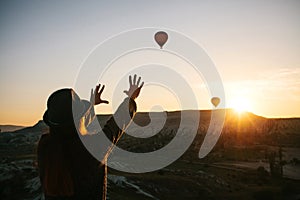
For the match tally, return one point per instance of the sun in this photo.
(240, 104)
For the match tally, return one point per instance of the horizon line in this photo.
(209, 110)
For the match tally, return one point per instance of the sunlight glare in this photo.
(240, 104)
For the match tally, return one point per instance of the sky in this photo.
(254, 45)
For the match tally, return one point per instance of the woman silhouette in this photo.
(66, 169)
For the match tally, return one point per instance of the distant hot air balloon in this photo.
(215, 101)
(161, 38)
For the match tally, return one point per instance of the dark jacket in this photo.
(67, 168)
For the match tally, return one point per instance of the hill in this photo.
(9, 128)
(239, 129)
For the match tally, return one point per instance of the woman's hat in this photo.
(65, 108)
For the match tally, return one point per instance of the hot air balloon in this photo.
(161, 38)
(215, 101)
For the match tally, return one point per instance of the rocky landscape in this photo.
(239, 166)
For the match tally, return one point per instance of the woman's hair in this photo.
(57, 180)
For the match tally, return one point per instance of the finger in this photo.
(92, 98)
(126, 92)
(102, 89)
(141, 85)
(97, 88)
(138, 82)
(104, 101)
(130, 81)
(91, 94)
(134, 79)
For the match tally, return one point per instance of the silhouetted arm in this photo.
(115, 126)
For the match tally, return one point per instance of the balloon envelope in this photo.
(215, 101)
(161, 38)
